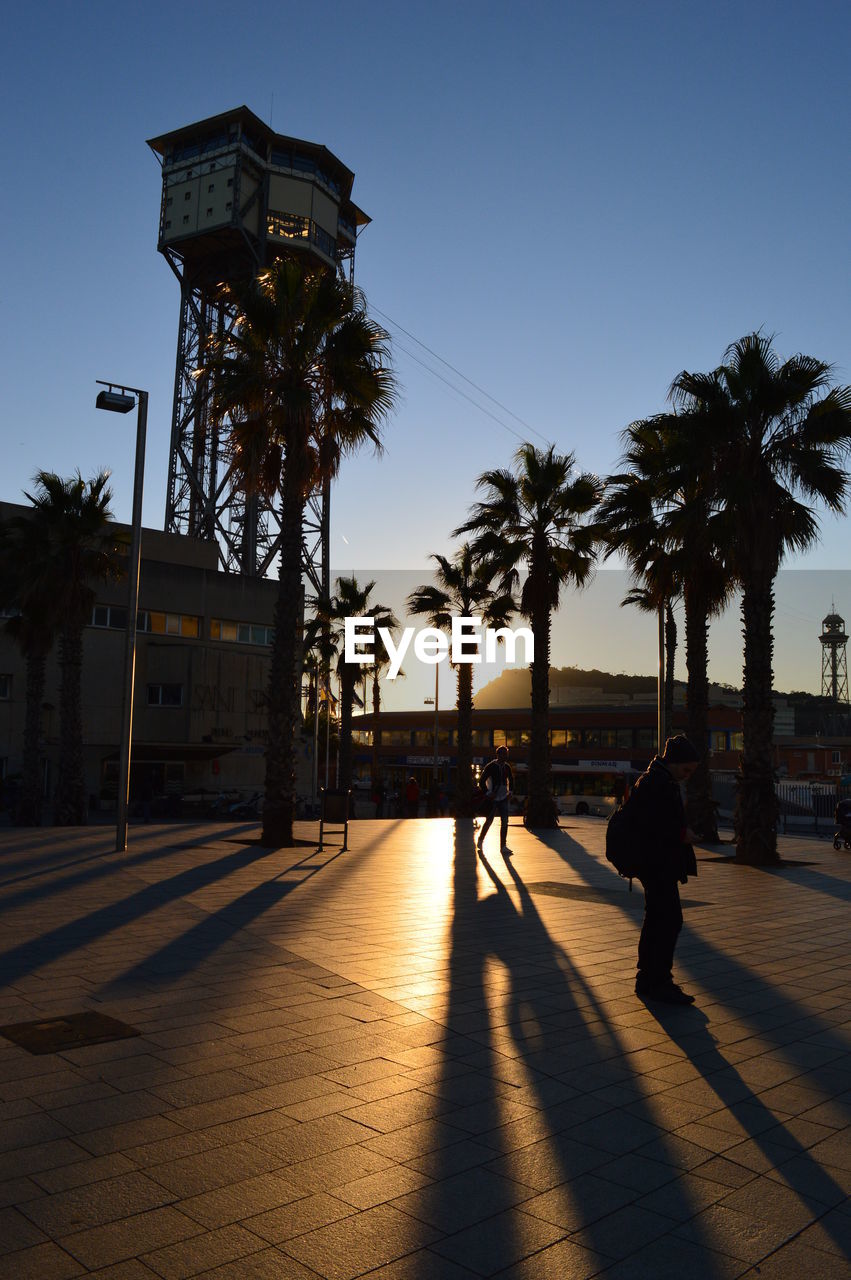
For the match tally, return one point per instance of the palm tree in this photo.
(303, 380)
(648, 599)
(773, 436)
(672, 538)
(465, 588)
(28, 593)
(70, 524)
(383, 618)
(532, 517)
(351, 601)
(627, 522)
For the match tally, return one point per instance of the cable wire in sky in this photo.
(469, 381)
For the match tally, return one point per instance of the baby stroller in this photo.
(842, 818)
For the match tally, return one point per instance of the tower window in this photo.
(210, 211)
(212, 186)
(185, 219)
(230, 182)
(188, 195)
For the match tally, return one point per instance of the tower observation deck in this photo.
(236, 196)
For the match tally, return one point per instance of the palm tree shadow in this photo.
(192, 948)
(83, 931)
(548, 1014)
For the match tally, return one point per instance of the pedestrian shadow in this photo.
(776, 1142)
(521, 1176)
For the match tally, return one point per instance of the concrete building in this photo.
(203, 652)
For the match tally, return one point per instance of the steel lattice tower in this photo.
(834, 662)
(235, 196)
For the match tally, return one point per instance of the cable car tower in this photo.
(834, 662)
(235, 197)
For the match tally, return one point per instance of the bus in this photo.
(588, 787)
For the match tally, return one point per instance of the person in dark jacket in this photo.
(669, 860)
(496, 781)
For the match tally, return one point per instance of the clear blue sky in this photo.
(571, 202)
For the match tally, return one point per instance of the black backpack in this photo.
(624, 842)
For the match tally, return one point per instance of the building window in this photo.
(240, 632)
(625, 738)
(165, 695)
(151, 621)
(362, 737)
(167, 226)
(5, 688)
(212, 186)
(229, 205)
(169, 624)
(186, 220)
(835, 756)
(109, 615)
(511, 737)
(168, 202)
(737, 742)
(188, 195)
(645, 738)
(718, 740)
(230, 182)
(395, 737)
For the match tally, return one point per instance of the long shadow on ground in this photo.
(777, 1146)
(520, 1178)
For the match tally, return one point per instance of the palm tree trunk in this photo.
(28, 812)
(541, 811)
(464, 750)
(71, 809)
(348, 681)
(700, 808)
(670, 659)
(376, 712)
(284, 697)
(756, 800)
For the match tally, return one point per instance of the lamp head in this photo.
(115, 401)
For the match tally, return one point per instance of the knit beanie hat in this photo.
(679, 750)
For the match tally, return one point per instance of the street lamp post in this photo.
(427, 702)
(119, 399)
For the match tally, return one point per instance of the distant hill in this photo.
(514, 687)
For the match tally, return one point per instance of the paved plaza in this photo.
(407, 1063)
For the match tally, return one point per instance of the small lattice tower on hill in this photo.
(236, 196)
(834, 661)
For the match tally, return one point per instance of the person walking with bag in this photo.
(496, 781)
(667, 861)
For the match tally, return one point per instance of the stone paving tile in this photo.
(120, 1241)
(95, 1203)
(17, 1231)
(41, 1262)
(505, 1239)
(202, 1253)
(360, 1243)
(794, 1260)
(298, 1217)
(193, 1174)
(460, 1201)
(670, 1258)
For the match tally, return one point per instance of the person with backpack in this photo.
(657, 850)
(496, 782)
